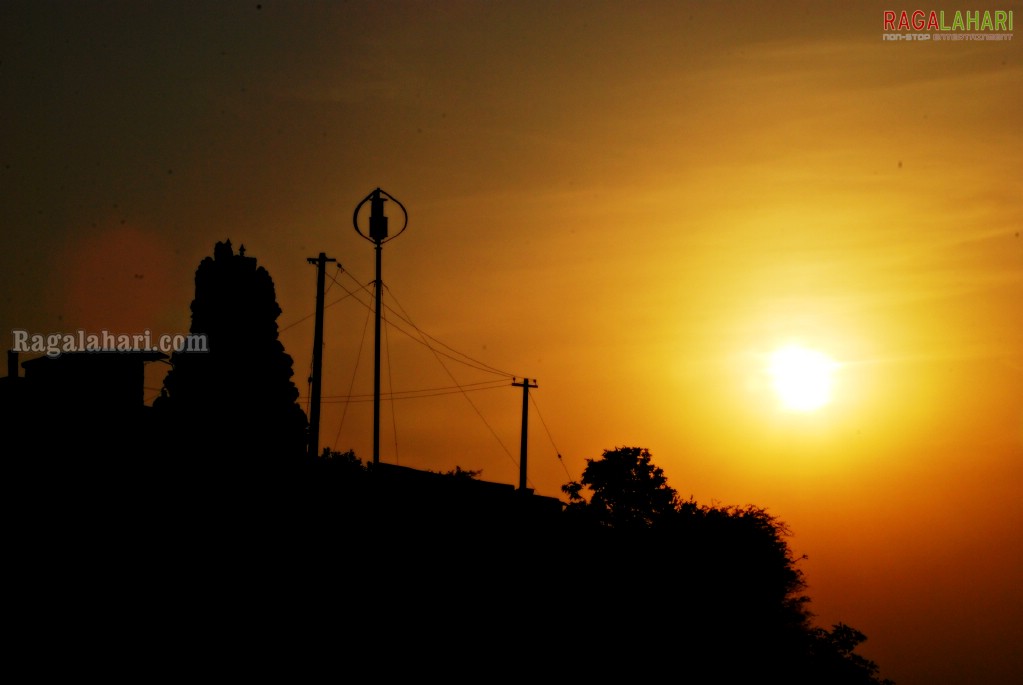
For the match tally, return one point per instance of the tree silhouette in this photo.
(235, 406)
(466, 474)
(628, 491)
(721, 583)
(834, 657)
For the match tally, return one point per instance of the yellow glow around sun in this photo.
(802, 377)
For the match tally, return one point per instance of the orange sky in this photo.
(633, 203)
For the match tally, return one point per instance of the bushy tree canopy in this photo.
(723, 581)
(628, 491)
(236, 404)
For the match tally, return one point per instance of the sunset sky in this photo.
(634, 203)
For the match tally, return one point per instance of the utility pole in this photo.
(314, 402)
(378, 230)
(526, 384)
(378, 236)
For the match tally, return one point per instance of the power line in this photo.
(404, 395)
(432, 344)
(482, 366)
(464, 393)
(475, 363)
(390, 384)
(462, 358)
(351, 384)
(550, 437)
(309, 316)
(482, 385)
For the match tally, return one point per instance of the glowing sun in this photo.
(802, 377)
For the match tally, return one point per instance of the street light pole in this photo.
(378, 236)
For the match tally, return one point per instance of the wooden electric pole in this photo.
(316, 379)
(526, 384)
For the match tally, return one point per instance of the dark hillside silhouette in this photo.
(221, 506)
(234, 407)
(628, 582)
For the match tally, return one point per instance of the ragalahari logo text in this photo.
(939, 25)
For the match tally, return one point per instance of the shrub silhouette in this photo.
(716, 587)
